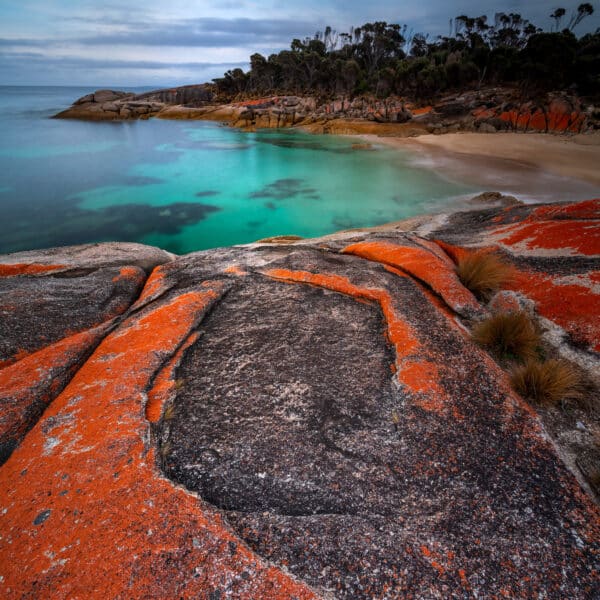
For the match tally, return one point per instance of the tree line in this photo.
(382, 59)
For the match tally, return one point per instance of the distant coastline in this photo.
(464, 124)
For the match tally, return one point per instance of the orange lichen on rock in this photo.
(456, 253)
(235, 270)
(28, 269)
(33, 380)
(257, 102)
(586, 209)
(84, 507)
(483, 113)
(134, 273)
(413, 370)
(444, 563)
(423, 377)
(571, 228)
(19, 355)
(165, 384)
(552, 120)
(418, 112)
(156, 285)
(578, 237)
(424, 265)
(570, 302)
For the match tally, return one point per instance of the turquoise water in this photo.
(188, 186)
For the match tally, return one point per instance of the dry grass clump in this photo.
(484, 273)
(548, 383)
(510, 336)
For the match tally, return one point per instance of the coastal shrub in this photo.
(547, 383)
(484, 273)
(509, 336)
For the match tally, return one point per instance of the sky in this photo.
(176, 42)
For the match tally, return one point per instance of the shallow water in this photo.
(188, 186)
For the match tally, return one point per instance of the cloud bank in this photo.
(84, 42)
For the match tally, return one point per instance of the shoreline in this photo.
(573, 157)
(509, 162)
(466, 130)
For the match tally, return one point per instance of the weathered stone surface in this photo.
(495, 198)
(115, 105)
(85, 99)
(308, 420)
(40, 310)
(85, 256)
(556, 252)
(102, 96)
(55, 307)
(485, 110)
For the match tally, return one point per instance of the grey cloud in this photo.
(16, 42)
(202, 32)
(207, 32)
(33, 59)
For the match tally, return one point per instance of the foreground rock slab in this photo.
(56, 306)
(303, 420)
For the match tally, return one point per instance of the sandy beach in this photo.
(576, 157)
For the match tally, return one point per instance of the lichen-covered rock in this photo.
(556, 252)
(306, 420)
(56, 305)
(485, 110)
(83, 257)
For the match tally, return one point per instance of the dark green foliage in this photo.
(548, 60)
(384, 59)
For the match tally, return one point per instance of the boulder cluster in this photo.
(110, 105)
(487, 111)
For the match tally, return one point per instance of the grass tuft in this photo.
(548, 383)
(483, 273)
(509, 336)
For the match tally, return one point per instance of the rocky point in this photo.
(487, 110)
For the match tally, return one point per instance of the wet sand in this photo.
(534, 167)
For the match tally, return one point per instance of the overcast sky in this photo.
(176, 42)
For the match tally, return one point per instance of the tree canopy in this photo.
(382, 59)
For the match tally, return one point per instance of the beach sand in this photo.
(576, 157)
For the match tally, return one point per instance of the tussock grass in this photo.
(483, 273)
(509, 336)
(548, 383)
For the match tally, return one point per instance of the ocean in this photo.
(193, 185)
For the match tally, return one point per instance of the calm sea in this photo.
(188, 186)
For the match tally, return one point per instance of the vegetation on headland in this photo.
(384, 59)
